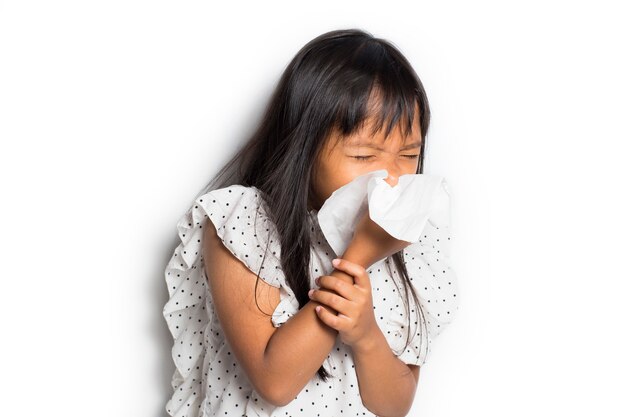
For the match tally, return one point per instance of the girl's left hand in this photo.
(355, 320)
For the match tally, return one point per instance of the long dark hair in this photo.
(328, 85)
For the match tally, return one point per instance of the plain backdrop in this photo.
(114, 114)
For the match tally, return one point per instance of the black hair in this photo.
(328, 86)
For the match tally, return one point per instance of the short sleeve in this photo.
(245, 230)
(248, 233)
(431, 274)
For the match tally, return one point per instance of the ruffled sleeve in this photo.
(435, 282)
(243, 227)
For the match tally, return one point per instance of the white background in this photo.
(114, 114)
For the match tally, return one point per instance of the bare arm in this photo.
(273, 357)
(387, 385)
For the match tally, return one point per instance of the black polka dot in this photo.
(205, 362)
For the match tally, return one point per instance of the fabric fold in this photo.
(416, 210)
(435, 281)
(401, 210)
(247, 238)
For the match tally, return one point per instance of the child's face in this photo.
(338, 165)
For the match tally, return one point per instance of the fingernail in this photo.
(317, 280)
(335, 262)
(310, 292)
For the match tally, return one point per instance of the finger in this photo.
(337, 322)
(361, 279)
(338, 285)
(336, 302)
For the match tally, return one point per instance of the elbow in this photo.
(270, 384)
(274, 386)
(400, 414)
(282, 400)
(275, 393)
(275, 397)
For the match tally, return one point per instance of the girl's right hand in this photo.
(371, 243)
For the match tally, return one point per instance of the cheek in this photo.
(336, 169)
(332, 174)
(328, 180)
(410, 167)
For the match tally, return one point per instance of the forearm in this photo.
(386, 384)
(304, 335)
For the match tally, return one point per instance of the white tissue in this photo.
(402, 210)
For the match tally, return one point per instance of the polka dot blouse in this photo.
(209, 381)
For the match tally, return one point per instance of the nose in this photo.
(392, 178)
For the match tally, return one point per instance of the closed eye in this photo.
(365, 158)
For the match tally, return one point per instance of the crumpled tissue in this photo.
(402, 210)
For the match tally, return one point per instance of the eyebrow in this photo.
(369, 145)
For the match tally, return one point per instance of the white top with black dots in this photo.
(209, 381)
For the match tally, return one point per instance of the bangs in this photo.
(376, 109)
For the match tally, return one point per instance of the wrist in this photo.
(360, 255)
(370, 343)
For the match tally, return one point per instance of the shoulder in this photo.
(231, 198)
(240, 222)
(236, 211)
(229, 206)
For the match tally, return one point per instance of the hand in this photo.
(371, 243)
(355, 320)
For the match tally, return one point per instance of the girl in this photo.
(250, 339)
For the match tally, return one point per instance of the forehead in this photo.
(367, 136)
(365, 140)
(375, 129)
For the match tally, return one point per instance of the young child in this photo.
(249, 337)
